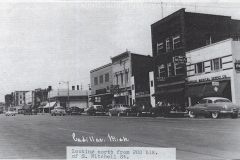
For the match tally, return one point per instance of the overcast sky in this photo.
(42, 43)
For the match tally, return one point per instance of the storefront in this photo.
(101, 99)
(143, 99)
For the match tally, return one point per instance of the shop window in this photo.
(20, 102)
(169, 67)
(208, 39)
(161, 70)
(176, 42)
(160, 48)
(95, 80)
(216, 64)
(236, 38)
(178, 69)
(167, 45)
(199, 67)
(107, 77)
(101, 79)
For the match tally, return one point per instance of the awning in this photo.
(175, 90)
(158, 93)
(210, 90)
(206, 90)
(51, 104)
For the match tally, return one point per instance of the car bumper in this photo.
(229, 112)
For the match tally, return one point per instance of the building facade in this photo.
(101, 83)
(211, 72)
(19, 98)
(9, 100)
(176, 34)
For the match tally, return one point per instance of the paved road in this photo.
(46, 137)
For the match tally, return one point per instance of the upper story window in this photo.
(107, 77)
(95, 80)
(208, 39)
(216, 64)
(20, 96)
(199, 67)
(161, 70)
(160, 48)
(116, 79)
(176, 42)
(178, 69)
(126, 74)
(167, 45)
(101, 79)
(169, 68)
(236, 38)
(121, 78)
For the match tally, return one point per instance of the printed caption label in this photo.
(127, 153)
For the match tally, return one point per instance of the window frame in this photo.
(106, 77)
(178, 43)
(169, 70)
(168, 47)
(95, 80)
(100, 79)
(161, 67)
(213, 66)
(179, 68)
(197, 68)
(160, 49)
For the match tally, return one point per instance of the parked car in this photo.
(58, 111)
(214, 107)
(96, 110)
(168, 111)
(119, 109)
(138, 111)
(75, 110)
(10, 113)
(30, 111)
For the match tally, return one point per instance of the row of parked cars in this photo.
(214, 107)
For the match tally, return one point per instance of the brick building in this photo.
(176, 34)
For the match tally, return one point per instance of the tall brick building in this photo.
(176, 34)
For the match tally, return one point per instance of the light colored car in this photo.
(58, 111)
(10, 113)
(118, 109)
(214, 107)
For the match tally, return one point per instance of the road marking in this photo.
(74, 130)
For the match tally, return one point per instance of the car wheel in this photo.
(118, 114)
(109, 113)
(214, 114)
(233, 116)
(191, 114)
(138, 114)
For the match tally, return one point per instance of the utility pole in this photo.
(125, 94)
(162, 8)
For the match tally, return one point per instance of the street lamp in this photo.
(68, 90)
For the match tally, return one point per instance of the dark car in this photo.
(96, 110)
(75, 111)
(168, 111)
(138, 111)
(30, 111)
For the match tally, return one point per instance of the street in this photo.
(46, 137)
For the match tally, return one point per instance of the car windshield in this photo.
(125, 105)
(222, 100)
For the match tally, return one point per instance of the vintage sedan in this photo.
(10, 113)
(96, 110)
(138, 111)
(214, 107)
(118, 109)
(168, 111)
(58, 111)
(74, 110)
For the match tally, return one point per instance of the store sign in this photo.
(215, 83)
(121, 94)
(114, 88)
(237, 66)
(142, 93)
(180, 59)
(208, 79)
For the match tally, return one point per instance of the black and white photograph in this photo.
(120, 80)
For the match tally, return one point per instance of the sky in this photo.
(45, 42)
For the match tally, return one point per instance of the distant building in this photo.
(19, 98)
(8, 100)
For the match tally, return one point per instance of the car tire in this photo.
(191, 114)
(234, 116)
(118, 114)
(138, 114)
(110, 114)
(214, 115)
